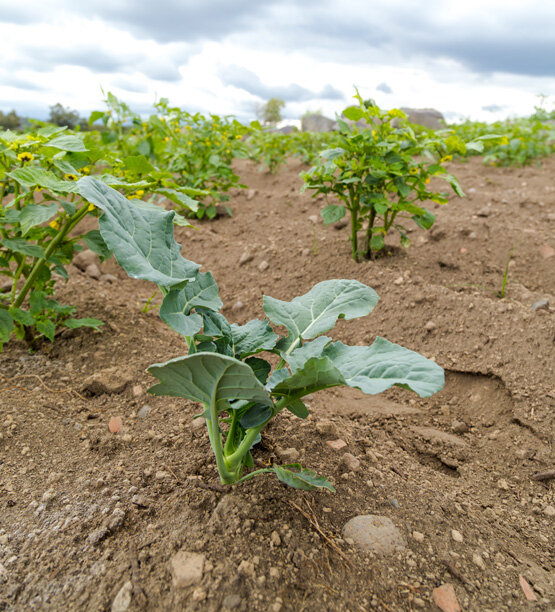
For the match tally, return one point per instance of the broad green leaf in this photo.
(138, 164)
(95, 116)
(426, 220)
(332, 213)
(256, 415)
(178, 197)
(354, 113)
(315, 375)
(24, 317)
(454, 182)
(35, 214)
(93, 239)
(277, 377)
(6, 326)
(260, 367)
(47, 328)
(253, 337)
(298, 408)
(31, 176)
(314, 313)
(208, 378)
(297, 358)
(177, 220)
(50, 130)
(19, 245)
(331, 154)
(302, 478)
(375, 368)
(67, 142)
(85, 322)
(140, 238)
(178, 303)
(377, 242)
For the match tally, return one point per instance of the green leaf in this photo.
(314, 313)
(93, 239)
(375, 368)
(31, 177)
(426, 220)
(140, 238)
(6, 326)
(298, 408)
(297, 358)
(377, 242)
(138, 164)
(95, 116)
(454, 182)
(332, 213)
(85, 322)
(180, 198)
(315, 375)
(208, 378)
(19, 245)
(47, 328)
(302, 479)
(23, 317)
(252, 338)
(178, 303)
(67, 142)
(51, 130)
(260, 367)
(256, 415)
(354, 113)
(35, 214)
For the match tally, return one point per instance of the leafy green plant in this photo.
(379, 174)
(223, 370)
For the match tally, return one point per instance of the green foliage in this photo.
(270, 112)
(379, 174)
(221, 372)
(63, 116)
(10, 121)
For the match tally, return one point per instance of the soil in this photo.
(92, 520)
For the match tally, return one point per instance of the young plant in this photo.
(223, 370)
(380, 175)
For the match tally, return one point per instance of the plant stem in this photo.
(213, 425)
(371, 220)
(228, 447)
(69, 225)
(16, 278)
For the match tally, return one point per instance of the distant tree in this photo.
(270, 113)
(10, 121)
(62, 116)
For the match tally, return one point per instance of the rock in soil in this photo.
(374, 533)
(186, 568)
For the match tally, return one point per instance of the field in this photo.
(109, 496)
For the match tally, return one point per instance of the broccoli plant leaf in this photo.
(34, 214)
(208, 378)
(316, 374)
(314, 313)
(140, 238)
(256, 415)
(253, 337)
(300, 478)
(178, 303)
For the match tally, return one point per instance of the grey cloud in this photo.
(493, 108)
(250, 82)
(12, 80)
(129, 84)
(385, 88)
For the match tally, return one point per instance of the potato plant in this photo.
(379, 174)
(239, 391)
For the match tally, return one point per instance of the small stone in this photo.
(246, 568)
(456, 535)
(86, 258)
(108, 278)
(161, 475)
(541, 305)
(459, 427)
(199, 594)
(137, 390)
(115, 425)
(275, 539)
(274, 572)
(93, 271)
(503, 484)
(418, 603)
(4, 539)
(339, 225)
(48, 496)
(289, 455)
(313, 219)
(305, 252)
(108, 381)
(337, 444)
(251, 193)
(374, 533)
(245, 258)
(326, 428)
(186, 568)
(198, 424)
(350, 462)
(483, 212)
(143, 411)
(430, 326)
(419, 537)
(478, 561)
(549, 511)
(98, 535)
(546, 251)
(122, 600)
(140, 500)
(263, 266)
(445, 598)
(237, 306)
(231, 602)
(464, 251)
(399, 281)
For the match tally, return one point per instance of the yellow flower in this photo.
(189, 143)
(187, 127)
(86, 170)
(25, 157)
(140, 192)
(413, 170)
(54, 224)
(504, 140)
(427, 180)
(38, 189)
(133, 197)
(374, 133)
(167, 138)
(447, 158)
(91, 207)
(228, 151)
(70, 177)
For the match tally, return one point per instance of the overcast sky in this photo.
(484, 59)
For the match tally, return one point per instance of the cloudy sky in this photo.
(482, 59)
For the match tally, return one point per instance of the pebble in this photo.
(264, 265)
(143, 411)
(430, 326)
(305, 252)
(456, 535)
(549, 511)
(199, 594)
(445, 598)
(231, 602)
(478, 561)
(86, 258)
(418, 603)
(98, 535)
(115, 425)
(483, 212)
(198, 424)
(350, 462)
(337, 444)
(541, 305)
(275, 539)
(108, 278)
(245, 258)
(419, 537)
(237, 306)
(459, 427)
(246, 568)
(374, 533)
(503, 484)
(313, 219)
(289, 455)
(327, 428)
(161, 475)
(186, 568)
(137, 390)
(251, 193)
(122, 600)
(399, 281)
(546, 251)
(339, 225)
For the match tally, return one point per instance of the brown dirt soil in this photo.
(85, 513)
